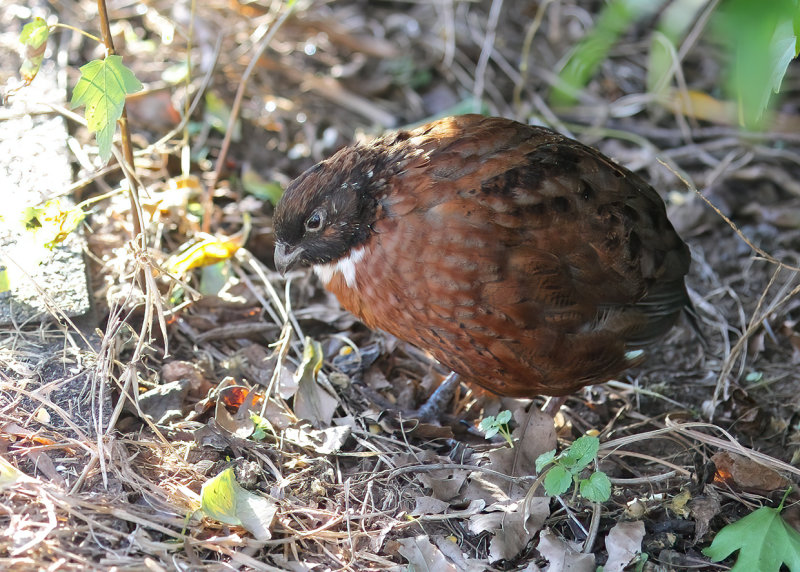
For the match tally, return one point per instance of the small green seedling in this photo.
(567, 467)
(261, 427)
(492, 425)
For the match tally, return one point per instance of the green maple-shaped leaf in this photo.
(102, 89)
(764, 541)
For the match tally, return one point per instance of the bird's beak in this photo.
(285, 258)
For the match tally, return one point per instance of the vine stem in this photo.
(127, 150)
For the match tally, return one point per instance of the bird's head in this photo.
(329, 209)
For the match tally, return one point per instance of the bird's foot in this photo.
(433, 408)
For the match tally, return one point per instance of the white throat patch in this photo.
(346, 265)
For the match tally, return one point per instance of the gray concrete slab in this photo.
(34, 167)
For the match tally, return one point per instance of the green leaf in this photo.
(796, 26)
(764, 541)
(544, 459)
(34, 37)
(261, 427)
(675, 21)
(213, 278)
(35, 33)
(583, 450)
(596, 488)
(491, 432)
(261, 188)
(763, 39)
(617, 16)
(503, 417)
(218, 114)
(557, 481)
(487, 423)
(9, 474)
(225, 500)
(102, 88)
(53, 221)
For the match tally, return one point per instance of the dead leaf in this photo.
(422, 554)
(152, 110)
(513, 526)
(429, 505)
(562, 556)
(313, 401)
(444, 484)
(742, 473)
(452, 551)
(44, 464)
(239, 423)
(702, 509)
(323, 441)
(164, 402)
(177, 370)
(623, 543)
(678, 503)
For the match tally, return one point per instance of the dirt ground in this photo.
(702, 434)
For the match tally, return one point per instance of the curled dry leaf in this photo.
(313, 401)
(745, 474)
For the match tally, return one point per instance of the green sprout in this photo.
(568, 466)
(492, 425)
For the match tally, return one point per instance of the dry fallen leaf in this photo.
(744, 474)
(313, 401)
(513, 525)
(562, 556)
(423, 555)
(623, 543)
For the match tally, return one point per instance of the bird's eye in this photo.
(315, 221)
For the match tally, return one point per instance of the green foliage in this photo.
(764, 540)
(262, 425)
(762, 38)
(615, 18)
(674, 23)
(567, 467)
(218, 114)
(53, 221)
(102, 88)
(596, 488)
(225, 500)
(34, 37)
(492, 425)
(254, 184)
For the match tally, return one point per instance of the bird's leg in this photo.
(553, 404)
(432, 409)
